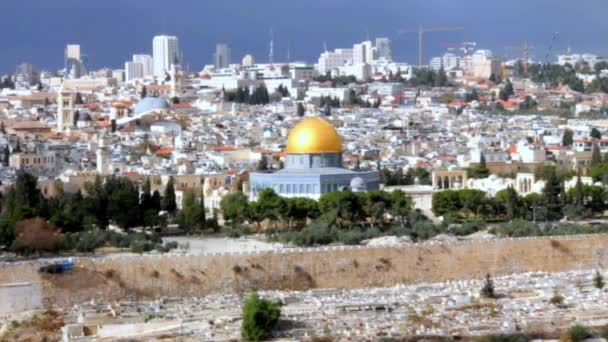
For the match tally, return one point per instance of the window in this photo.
(281, 188)
(288, 188)
(308, 188)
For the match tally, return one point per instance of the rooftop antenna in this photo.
(325, 46)
(271, 52)
(288, 52)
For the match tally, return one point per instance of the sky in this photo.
(110, 31)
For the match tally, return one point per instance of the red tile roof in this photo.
(224, 148)
(165, 150)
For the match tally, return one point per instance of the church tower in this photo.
(65, 109)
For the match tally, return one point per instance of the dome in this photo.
(248, 60)
(357, 183)
(149, 104)
(314, 135)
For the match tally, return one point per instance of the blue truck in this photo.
(56, 268)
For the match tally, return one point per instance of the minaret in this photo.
(103, 154)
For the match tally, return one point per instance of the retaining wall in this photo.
(153, 276)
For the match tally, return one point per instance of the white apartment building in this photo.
(383, 49)
(134, 71)
(147, 63)
(334, 59)
(165, 51)
(318, 92)
(361, 71)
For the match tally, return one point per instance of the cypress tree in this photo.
(168, 200)
(6, 155)
(596, 155)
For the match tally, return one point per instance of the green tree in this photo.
(144, 92)
(271, 205)
(6, 155)
(511, 201)
(507, 91)
(123, 202)
(596, 155)
(78, 100)
(23, 199)
(442, 79)
(568, 138)
(375, 205)
(298, 210)
(595, 133)
(263, 164)
(340, 208)
(301, 110)
(553, 196)
(168, 203)
(260, 318)
(400, 206)
(190, 216)
(234, 208)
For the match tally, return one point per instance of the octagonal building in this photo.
(313, 165)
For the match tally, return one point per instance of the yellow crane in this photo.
(525, 49)
(421, 31)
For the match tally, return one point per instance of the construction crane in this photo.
(525, 49)
(421, 31)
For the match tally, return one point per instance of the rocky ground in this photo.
(542, 304)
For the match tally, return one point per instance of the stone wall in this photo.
(111, 278)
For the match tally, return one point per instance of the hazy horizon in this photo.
(110, 31)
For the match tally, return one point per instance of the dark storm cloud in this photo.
(111, 30)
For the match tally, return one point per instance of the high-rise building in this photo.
(359, 53)
(147, 63)
(221, 57)
(165, 51)
(72, 51)
(74, 68)
(26, 75)
(134, 71)
(383, 47)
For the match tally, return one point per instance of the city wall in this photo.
(151, 276)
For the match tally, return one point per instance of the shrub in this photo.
(578, 333)
(260, 318)
(487, 291)
(21, 248)
(140, 246)
(598, 280)
(557, 299)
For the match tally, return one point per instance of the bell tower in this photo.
(65, 109)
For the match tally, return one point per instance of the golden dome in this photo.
(314, 135)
